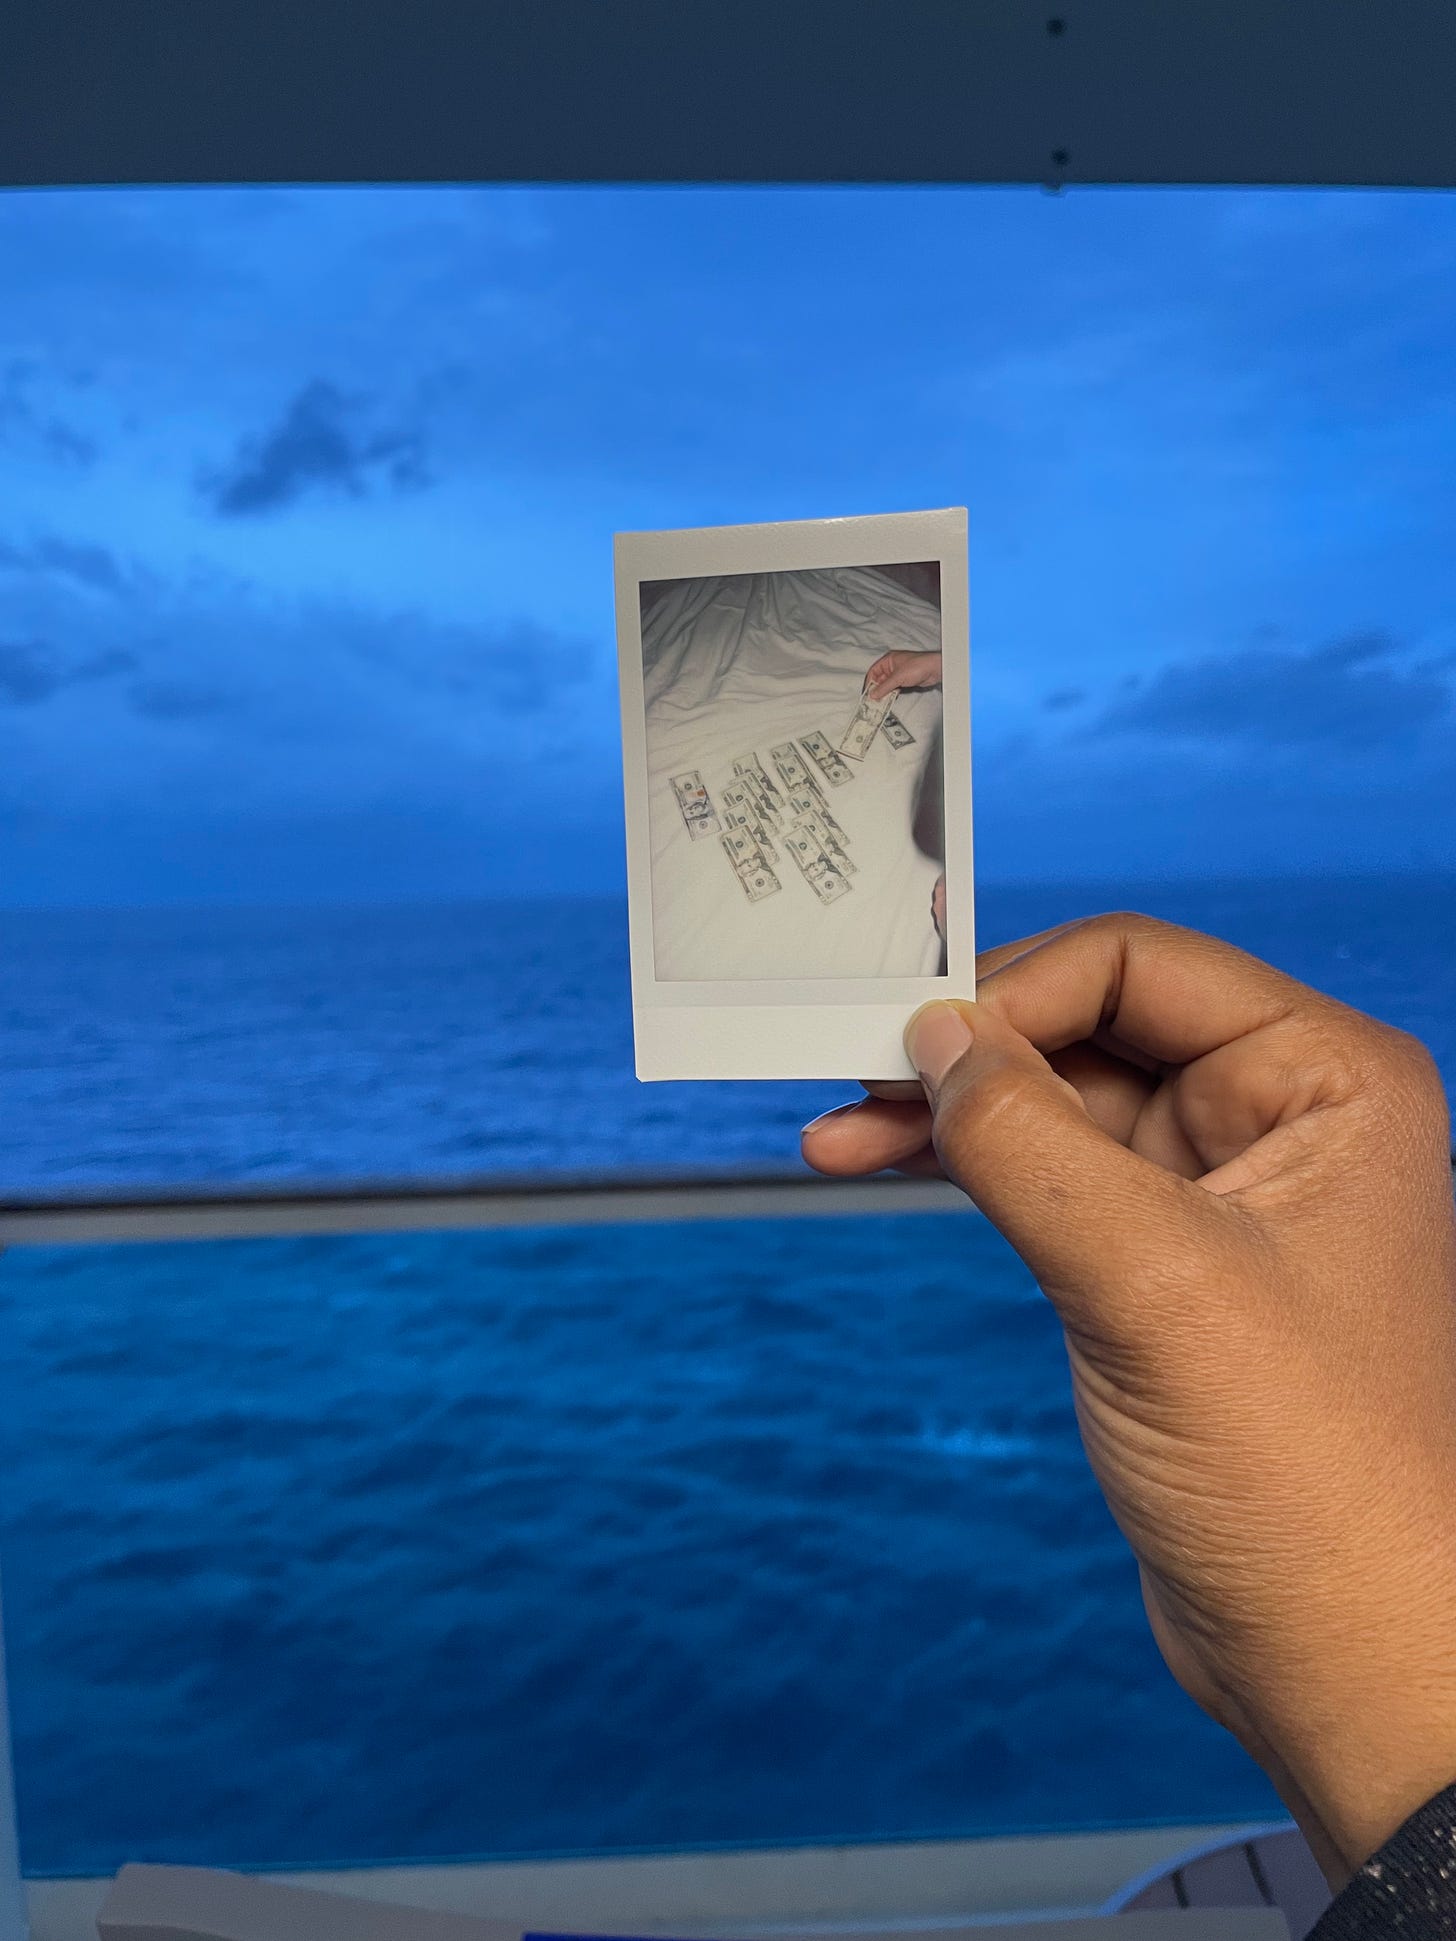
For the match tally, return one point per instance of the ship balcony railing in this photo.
(391, 1206)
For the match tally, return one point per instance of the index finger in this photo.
(1169, 993)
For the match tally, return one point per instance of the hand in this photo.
(892, 672)
(1237, 1194)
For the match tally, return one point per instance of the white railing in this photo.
(386, 1206)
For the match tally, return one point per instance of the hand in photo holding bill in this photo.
(895, 670)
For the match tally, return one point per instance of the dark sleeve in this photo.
(1407, 1889)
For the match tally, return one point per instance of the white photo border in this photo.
(793, 1027)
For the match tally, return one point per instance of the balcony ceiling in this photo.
(1105, 91)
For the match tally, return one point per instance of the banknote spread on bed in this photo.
(753, 873)
(751, 807)
(832, 850)
(770, 803)
(755, 816)
(745, 810)
(792, 772)
(826, 881)
(697, 808)
(831, 764)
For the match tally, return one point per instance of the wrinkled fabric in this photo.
(1408, 1888)
(735, 665)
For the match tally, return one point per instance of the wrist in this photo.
(1360, 1809)
(1354, 1772)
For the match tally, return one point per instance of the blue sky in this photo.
(306, 504)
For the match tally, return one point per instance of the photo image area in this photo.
(796, 824)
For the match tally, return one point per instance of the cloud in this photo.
(1062, 698)
(111, 660)
(28, 672)
(317, 444)
(31, 671)
(90, 566)
(24, 421)
(176, 700)
(514, 667)
(1351, 694)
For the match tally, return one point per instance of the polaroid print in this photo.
(797, 774)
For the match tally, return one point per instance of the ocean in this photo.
(436, 1545)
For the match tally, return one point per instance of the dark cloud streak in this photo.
(1351, 695)
(28, 672)
(31, 671)
(518, 666)
(24, 421)
(176, 700)
(90, 566)
(316, 445)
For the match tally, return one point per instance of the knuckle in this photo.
(1385, 1052)
(1415, 1057)
(1128, 923)
(1393, 1073)
(1412, 1068)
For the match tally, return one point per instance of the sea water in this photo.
(410, 1546)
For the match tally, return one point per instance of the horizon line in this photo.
(1155, 880)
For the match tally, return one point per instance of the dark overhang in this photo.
(1093, 91)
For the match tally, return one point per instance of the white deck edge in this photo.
(920, 1885)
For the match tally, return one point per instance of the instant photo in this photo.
(796, 754)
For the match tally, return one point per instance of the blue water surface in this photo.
(455, 1544)
(429, 1545)
(235, 1044)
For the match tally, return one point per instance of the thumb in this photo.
(1103, 1230)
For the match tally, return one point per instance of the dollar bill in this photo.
(802, 846)
(696, 805)
(817, 869)
(740, 847)
(828, 847)
(738, 806)
(823, 815)
(753, 873)
(767, 812)
(804, 802)
(832, 765)
(827, 883)
(758, 881)
(856, 739)
(773, 811)
(742, 809)
(895, 731)
(791, 770)
(751, 769)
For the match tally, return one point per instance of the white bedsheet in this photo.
(736, 665)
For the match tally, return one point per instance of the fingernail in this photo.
(935, 1038)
